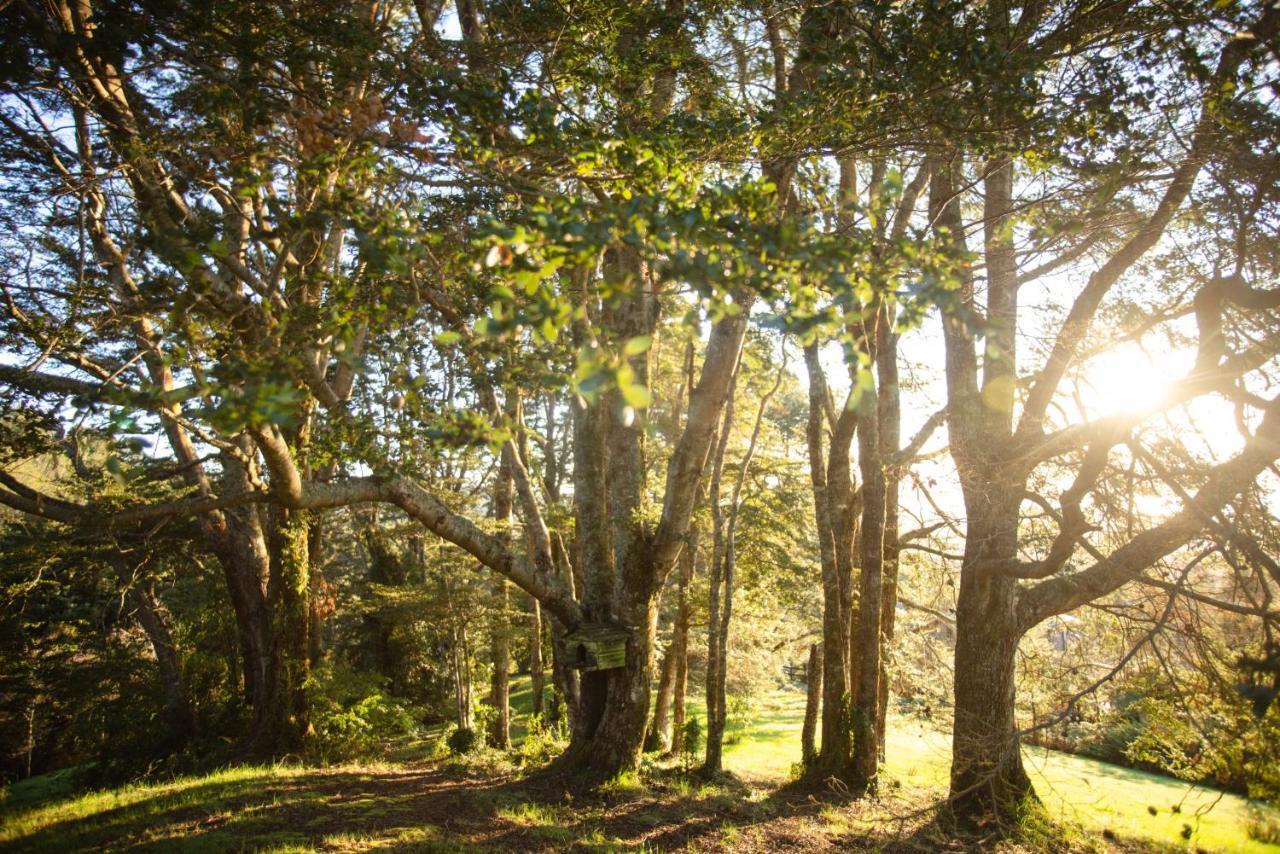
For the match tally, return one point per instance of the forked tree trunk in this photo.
(624, 560)
(835, 539)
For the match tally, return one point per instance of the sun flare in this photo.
(1126, 379)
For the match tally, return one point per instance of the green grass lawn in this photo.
(1096, 795)
(415, 805)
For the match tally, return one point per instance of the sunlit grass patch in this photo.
(531, 814)
(423, 837)
(625, 785)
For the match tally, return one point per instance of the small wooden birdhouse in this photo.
(597, 646)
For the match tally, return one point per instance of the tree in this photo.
(996, 457)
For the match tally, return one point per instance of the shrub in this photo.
(692, 744)
(1264, 825)
(542, 740)
(352, 717)
(463, 740)
(739, 715)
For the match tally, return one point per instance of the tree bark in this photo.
(154, 619)
(716, 623)
(499, 733)
(812, 702)
(680, 641)
(868, 657)
(537, 676)
(835, 537)
(659, 738)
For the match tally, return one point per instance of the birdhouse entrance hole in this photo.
(598, 646)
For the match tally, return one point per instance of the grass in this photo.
(420, 804)
(1096, 795)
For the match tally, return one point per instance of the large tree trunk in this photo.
(281, 718)
(987, 777)
(608, 732)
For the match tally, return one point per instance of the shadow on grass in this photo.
(444, 808)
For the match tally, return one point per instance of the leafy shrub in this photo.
(739, 715)
(352, 717)
(543, 740)
(692, 744)
(1264, 825)
(463, 740)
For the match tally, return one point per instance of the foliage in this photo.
(463, 740)
(691, 746)
(543, 740)
(740, 713)
(352, 716)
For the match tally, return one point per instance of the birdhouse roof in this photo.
(598, 633)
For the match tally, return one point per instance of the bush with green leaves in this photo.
(740, 714)
(352, 716)
(463, 740)
(543, 740)
(691, 746)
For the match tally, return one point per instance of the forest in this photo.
(699, 425)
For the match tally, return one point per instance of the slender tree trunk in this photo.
(868, 658)
(890, 412)
(499, 734)
(319, 601)
(834, 536)
(659, 738)
(715, 687)
(680, 642)
(29, 746)
(537, 677)
(812, 702)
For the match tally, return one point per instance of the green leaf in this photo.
(636, 395)
(636, 346)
